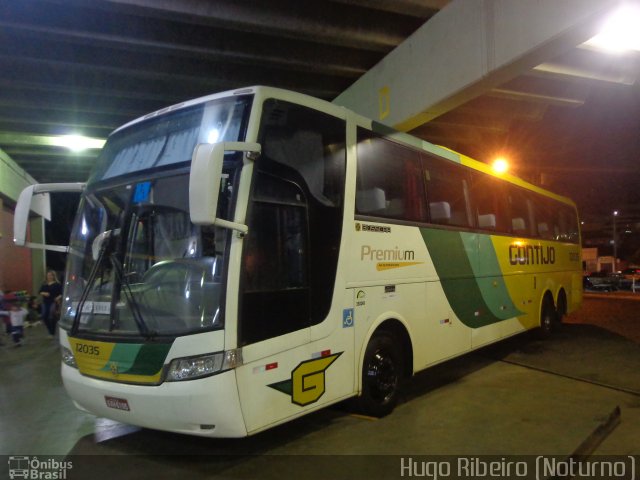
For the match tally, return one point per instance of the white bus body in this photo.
(332, 263)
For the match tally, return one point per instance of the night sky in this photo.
(594, 151)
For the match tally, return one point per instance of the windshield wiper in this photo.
(87, 288)
(126, 287)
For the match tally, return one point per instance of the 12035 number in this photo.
(87, 349)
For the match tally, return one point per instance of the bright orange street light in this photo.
(500, 165)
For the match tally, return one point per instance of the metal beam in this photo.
(116, 91)
(482, 109)
(559, 69)
(194, 75)
(589, 64)
(466, 49)
(423, 9)
(39, 155)
(149, 62)
(67, 77)
(308, 21)
(536, 97)
(321, 59)
(72, 107)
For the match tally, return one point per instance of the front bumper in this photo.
(207, 406)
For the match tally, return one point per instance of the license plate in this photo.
(117, 403)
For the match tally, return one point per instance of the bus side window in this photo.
(448, 193)
(520, 211)
(488, 201)
(389, 182)
(567, 224)
(545, 217)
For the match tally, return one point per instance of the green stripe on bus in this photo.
(124, 354)
(150, 359)
(490, 278)
(472, 295)
(285, 386)
(138, 359)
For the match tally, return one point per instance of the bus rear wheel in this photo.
(381, 376)
(548, 319)
(561, 309)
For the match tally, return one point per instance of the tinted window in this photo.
(290, 255)
(389, 180)
(276, 249)
(519, 211)
(553, 220)
(488, 199)
(567, 222)
(447, 193)
(309, 142)
(546, 218)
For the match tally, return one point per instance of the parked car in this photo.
(598, 282)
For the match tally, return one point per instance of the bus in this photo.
(242, 259)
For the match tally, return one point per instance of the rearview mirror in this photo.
(37, 196)
(205, 178)
(98, 242)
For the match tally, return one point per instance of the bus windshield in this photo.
(137, 266)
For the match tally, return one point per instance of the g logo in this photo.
(307, 382)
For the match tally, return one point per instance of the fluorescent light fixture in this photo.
(620, 32)
(77, 143)
(74, 142)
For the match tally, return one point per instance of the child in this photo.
(33, 318)
(17, 314)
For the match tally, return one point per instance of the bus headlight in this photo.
(67, 357)
(190, 368)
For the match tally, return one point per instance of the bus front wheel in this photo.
(381, 376)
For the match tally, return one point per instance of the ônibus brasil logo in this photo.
(33, 468)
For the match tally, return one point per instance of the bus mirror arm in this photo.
(205, 180)
(241, 228)
(36, 198)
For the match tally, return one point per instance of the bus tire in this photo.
(548, 318)
(381, 376)
(561, 309)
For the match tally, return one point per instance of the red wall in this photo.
(15, 262)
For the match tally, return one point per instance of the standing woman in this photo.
(51, 293)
